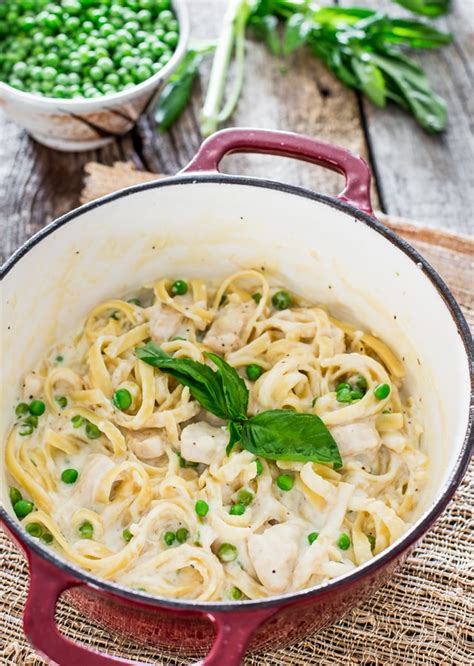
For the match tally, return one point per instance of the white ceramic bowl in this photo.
(85, 124)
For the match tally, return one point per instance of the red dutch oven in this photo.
(213, 223)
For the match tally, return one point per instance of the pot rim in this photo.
(420, 527)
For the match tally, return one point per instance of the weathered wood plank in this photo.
(430, 178)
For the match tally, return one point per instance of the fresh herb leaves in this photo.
(280, 434)
(275, 434)
(432, 8)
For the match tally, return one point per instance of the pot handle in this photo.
(288, 144)
(47, 582)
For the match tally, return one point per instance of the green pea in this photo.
(257, 297)
(253, 371)
(236, 593)
(69, 475)
(92, 431)
(77, 421)
(122, 399)
(34, 529)
(169, 538)
(361, 383)
(171, 38)
(202, 508)
(127, 535)
(342, 386)
(22, 508)
(182, 535)
(312, 536)
(37, 407)
(245, 497)
(344, 395)
(382, 391)
(344, 541)
(86, 530)
(47, 538)
(281, 300)
(285, 482)
(179, 288)
(356, 395)
(15, 495)
(26, 429)
(259, 466)
(237, 510)
(21, 409)
(227, 552)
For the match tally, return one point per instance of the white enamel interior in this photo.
(211, 229)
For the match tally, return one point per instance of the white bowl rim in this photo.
(377, 563)
(121, 97)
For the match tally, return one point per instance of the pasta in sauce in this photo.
(128, 476)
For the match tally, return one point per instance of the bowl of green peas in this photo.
(78, 73)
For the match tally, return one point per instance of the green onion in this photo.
(312, 537)
(285, 482)
(86, 530)
(253, 371)
(344, 541)
(237, 510)
(23, 508)
(281, 300)
(34, 529)
(182, 535)
(227, 552)
(21, 409)
(122, 399)
(77, 421)
(382, 391)
(127, 535)
(236, 593)
(92, 431)
(245, 497)
(37, 407)
(69, 475)
(201, 507)
(169, 538)
(257, 297)
(62, 401)
(15, 495)
(179, 288)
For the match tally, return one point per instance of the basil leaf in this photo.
(235, 391)
(222, 392)
(431, 8)
(297, 30)
(202, 381)
(235, 435)
(280, 434)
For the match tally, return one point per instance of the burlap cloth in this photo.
(423, 616)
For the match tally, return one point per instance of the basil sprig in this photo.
(276, 434)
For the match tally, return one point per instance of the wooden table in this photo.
(427, 178)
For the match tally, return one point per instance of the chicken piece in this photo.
(164, 323)
(32, 386)
(227, 328)
(148, 444)
(95, 467)
(355, 438)
(273, 555)
(203, 443)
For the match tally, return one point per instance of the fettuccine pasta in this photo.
(123, 472)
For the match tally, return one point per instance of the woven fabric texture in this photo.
(423, 617)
